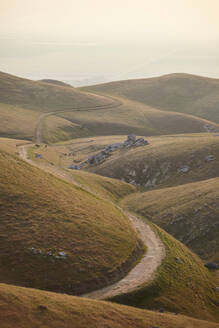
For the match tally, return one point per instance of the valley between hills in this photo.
(101, 230)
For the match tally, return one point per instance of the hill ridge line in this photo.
(39, 128)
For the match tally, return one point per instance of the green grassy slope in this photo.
(17, 122)
(161, 163)
(11, 145)
(22, 101)
(60, 155)
(189, 212)
(56, 82)
(183, 93)
(76, 113)
(107, 188)
(186, 287)
(42, 216)
(20, 307)
(133, 117)
(42, 96)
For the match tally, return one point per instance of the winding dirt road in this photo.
(145, 270)
(39, 128)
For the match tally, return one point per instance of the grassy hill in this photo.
(61, 156)
(56, 82)
(17, 122)
(42, 96)
(182, 285)
(22, 101)
(73, 113)
(182, 93)
(166, 161)
(189, 212)
(129, 117)
(111, 189)
(11, 145)
(57, 236)
(46, 309)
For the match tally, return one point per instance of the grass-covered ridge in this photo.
(182, 93)
(62, 155)
(166, 161)
(107, 188)
(46, 309)
(22, 101)
(77, 113)
(41, 96)
(186, 287)
(17, 122)
(134, 117)
(189, 212)
(42, 216)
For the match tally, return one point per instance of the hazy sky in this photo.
(51, 34)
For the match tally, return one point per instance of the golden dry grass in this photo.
(159, 164)
(189, 212)
(82, 114)
(134, 117)
(64, 154)
(187, 287)
(22, 307)
(41, 211)
(182, 93)
(22, 101)
(107, 188)
(17, 122)
(11, 145)
(42, 96)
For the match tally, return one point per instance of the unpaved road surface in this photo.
(39, 128)
(144, 271)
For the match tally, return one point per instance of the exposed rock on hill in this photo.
(105, 153)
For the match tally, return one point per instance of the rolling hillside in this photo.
(130, 117)
(189, 212)
(166, 161)
(68, 235)
(46, 309)
(22, 101)
(56, 82)
(182, 93)
(41, 96)
(66, 113)
(182, 285)
(190, 272)
(56, 236)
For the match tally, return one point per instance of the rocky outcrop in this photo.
(100, 157)
(211, 265)
(209, 158)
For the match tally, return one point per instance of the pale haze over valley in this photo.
(85, 42)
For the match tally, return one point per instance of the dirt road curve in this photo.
(144, 271)
(39, 128)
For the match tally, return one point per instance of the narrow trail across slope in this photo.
(39, 128)
(145, 270)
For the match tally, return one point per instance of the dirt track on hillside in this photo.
(39, 128)
(145, 270)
